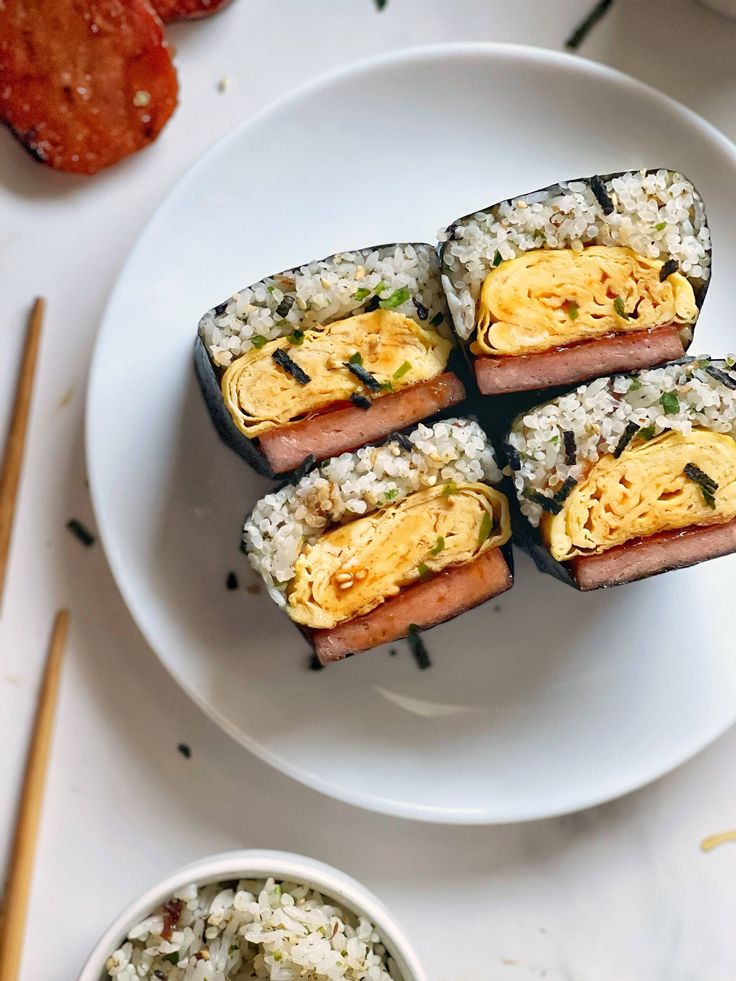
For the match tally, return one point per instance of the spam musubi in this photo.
(629, 476)
(327, 357)
(578, 280)
(374, 545)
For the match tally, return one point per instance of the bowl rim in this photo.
(260, 863)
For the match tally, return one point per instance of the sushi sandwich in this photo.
(325, 358)
(629, 476)
(376, 544)
(578, 280)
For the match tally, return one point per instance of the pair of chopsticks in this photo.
(20, 867)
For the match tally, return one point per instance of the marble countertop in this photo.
(619, 893)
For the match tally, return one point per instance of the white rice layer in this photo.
(659, 215)
(677, 397)
(323, 291)
(254, 929)
(355, 484)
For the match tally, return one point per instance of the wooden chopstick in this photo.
(20, 868)
(13, 460)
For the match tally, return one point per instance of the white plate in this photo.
(543, 702)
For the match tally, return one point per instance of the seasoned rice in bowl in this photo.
(255, 915)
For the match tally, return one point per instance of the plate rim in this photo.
(429, 813)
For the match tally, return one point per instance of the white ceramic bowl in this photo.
(259, 865)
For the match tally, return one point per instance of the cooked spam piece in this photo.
(390, 539)
(84, 84)
(327, 357)
(169, 10)
(629, 476)
(578, 280)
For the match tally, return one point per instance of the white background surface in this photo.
(621, 893)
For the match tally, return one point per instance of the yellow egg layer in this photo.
(261, 395)
(643, 492)
(352, 569)
(547, 298)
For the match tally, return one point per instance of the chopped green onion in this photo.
(618, 306)
(387, 386)
(391, 494)
(660, 226)
(258, 340)
(362, 293)
(171, 958)
(497, 259)
(395, 299)
(423, 570)
(634, 385)
(555, 440)
(437, 548)
(296, 337)
(270, 289)
(572, 310)
(356, 358)
(380, 287)
(670, 403)
(646, 432)
(449, 488)
(486, 527)
(402, 370)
